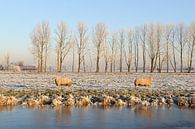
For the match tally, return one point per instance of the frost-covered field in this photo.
(23, 81)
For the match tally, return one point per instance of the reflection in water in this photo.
(106, 107)
(40, 115)
(63, 114)
(7, 108)
(143, 111)
(96, 117)
(34, 107)
(81, 115)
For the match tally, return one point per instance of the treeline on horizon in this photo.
(150, 47)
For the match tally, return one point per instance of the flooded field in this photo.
(161, 81)
(97, 101)
(96, 117)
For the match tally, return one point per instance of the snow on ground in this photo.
(23, 81)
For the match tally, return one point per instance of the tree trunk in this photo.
(79, 63)
(191, 56)
(167, 55)
(97, 61)
(190, 65)
(159, 63)
(111, 66)
(136, 57)
(60, 70)
(114, 63)
(106, 66)
(58, 61)
(83, 59)
(181, 69)
(129, 66)
(73, 56)
(112, 56)
(137, 63)
(121, 63)
(144, 57)
(174, 60)
(151, 65)
(41, 62)
(45, 67)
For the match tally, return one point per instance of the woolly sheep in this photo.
(143, 82)
(63, 81)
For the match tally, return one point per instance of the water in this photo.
(96, 118)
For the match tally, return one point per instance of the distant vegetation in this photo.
(150, 47)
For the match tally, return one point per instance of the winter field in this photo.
(114, 81)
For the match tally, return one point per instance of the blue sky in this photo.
(18, 17)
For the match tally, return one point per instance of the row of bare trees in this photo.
(147, 48)
(41, 41)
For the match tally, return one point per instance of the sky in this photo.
(19, 17)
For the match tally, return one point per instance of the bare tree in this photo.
(36, 48)
(106, 54)
(160, 45)
(121, 45)
(158, 40)
(41, 42)
(90, 60)
(128, 49)
(153, 48)
(181, 42)
(81, 41)
(168, 30)
(73, 54)
(143, 36)
(172, 40)
(191, 44)
(46, 40)
(7, 61)
(63, 44)
(99, 38)
(136, 49)
(113, 52)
